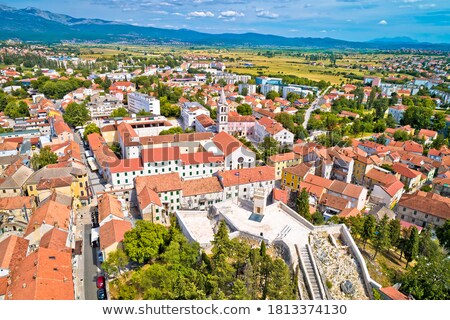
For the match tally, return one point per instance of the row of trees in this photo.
(173, 268)
(429, 276)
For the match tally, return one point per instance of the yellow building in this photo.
(69, 178)
(282, 161)
(109, 133)
(361, 166)
(292, 176)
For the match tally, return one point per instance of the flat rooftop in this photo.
(276, 223)
(198, 225)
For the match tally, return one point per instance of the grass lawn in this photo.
(387, 268)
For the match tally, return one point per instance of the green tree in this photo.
(272, 95)
(174, 130)
(318, 219)
(303, 204)
(144, 241)
(89, 129)
(443, 234)
(76, 114)
(43, 158)
(116, 263)
(439, 142)
(401, 135)
(368, 229)
(119, 113)
(381, 239)
(394, 232)
(412, 245)
(429, 279)
(439, 121)
(244, 109)
(17, 110)
(269, 146)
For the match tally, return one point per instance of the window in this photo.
(126, 174)
(415, 212)
(126, 180)
(404, 209)
(31, 188)
(118, 181)
(157, 218)
(403, 216)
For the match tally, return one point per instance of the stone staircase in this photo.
(311, 274)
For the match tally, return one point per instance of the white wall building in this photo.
(139, 101)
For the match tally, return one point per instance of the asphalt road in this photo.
(313, 106)
(90, 267)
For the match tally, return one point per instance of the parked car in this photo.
(100, 257)
(101, 294)
(100, 282)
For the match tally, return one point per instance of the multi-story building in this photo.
(139, 101)
(293, 176)
(189, 112)
(424, 209)
(397, 112)
(266, 127)
(103, 106)
(282, 161)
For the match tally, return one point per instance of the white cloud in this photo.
(383, 22)
(178, 14)
(231, 14)
(262, 13)
(411, 1)
(427, 6)
(201, 14)
(293, 30)
(160, 12)
(323, 31)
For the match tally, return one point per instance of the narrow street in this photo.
(90, 268)
(313, 106)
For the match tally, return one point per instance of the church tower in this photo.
(222, 113)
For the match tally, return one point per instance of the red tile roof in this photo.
(226, 143)
(159, 183)
(393, 293)
(429, 203)
(126, 165)
(247, 175)
(113, 232)
(45, 274)
(160, 154)
(13, 250)
(109, 205)
(280, 195)
(13, 203)
(201, 186)
(51, 213)
(282, 157)
(55, 239)
(200, 157)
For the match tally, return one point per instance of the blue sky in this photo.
(358, 20)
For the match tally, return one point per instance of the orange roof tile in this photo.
(246, 175)
(51, 213)
(201, 186)
(109, 205)
(113, 232)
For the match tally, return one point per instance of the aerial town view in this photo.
(224, 150)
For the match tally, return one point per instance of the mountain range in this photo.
(35, 25)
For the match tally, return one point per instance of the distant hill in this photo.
(31, 24)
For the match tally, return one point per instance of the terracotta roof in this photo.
(148, 196)
(201, 186)
(384, 178)
(347, 189)
(95, 141)
(8, 145)
(126, 165)
(113, 232)
(55, 239)
(160, 154)
(200, 157)
(334, 202)
(13, 250)
(60, 127)
(312, 189)
(427, 133)
(246, 175)
(403, 170)
(300, 170)
(45, 274)
(52, 183)
(318, 181)
(205, 120)
(411, 146)
(393, 188)
(226, 143)
(184, 137)
(51, 213)
(430, 203)
(393, 293)
(349, 212)
(107, 205)
(159, 183)
(282, 157)
(239, 118)
(12, 203)
(280, 195)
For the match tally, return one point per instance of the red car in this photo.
(100, 282)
